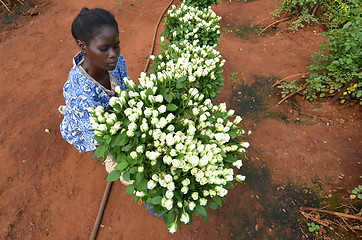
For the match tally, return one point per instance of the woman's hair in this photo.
(89, 21)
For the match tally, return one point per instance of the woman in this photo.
(97, 69)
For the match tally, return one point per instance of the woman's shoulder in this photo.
(121, 64)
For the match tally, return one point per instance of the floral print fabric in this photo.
(80, 93)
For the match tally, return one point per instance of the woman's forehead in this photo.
(106, 34)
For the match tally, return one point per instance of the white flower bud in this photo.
(151, 184)
(185, 218)
(240, 178)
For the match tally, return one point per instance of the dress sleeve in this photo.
(75, 127)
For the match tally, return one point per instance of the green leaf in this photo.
(143, 185)
(162, 212)
(149, 92)
(130, 189)
(201, 210)
(230, 185)
(230, 158)
(205, 137)
(171, 107)
(126, 176)
(135, 198)
(192, 185)
(180, 156)
(121, 157)
(118, 139)
(156, 200)
(169, 218)
(218, 200)
(121, 166)
(179, 85)
(207, 216)
(99, 139)
(168, 97)
(123, 141)
(213, 205)
(113, 176)
(108, 139)
(127, 148)
(133, 170)
(181, 79)
(139, 177)
(101, 150)
(232, 133)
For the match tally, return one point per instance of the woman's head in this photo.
(89, 22)
(96, 33)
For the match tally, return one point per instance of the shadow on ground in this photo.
(263, 210)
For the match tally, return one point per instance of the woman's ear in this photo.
(82, 46)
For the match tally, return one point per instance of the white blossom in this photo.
(240, 178)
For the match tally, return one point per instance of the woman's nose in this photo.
(113, 53)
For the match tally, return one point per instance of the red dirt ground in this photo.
(50, 191)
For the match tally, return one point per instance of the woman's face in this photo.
(103, 51)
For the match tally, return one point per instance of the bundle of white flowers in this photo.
(202, 65)
(192, 23)
(200, 3)
(179, 150)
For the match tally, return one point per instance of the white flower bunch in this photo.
(187, 59)
(190, 150)
(201, 64)
(103, 122)
(193, 24)
(165, 134)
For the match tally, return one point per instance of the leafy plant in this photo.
(339, 60)
(356, 192)
(304, 10)
(288, 88)
(234, 77)
(312, 227)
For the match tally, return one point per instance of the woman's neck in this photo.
(98, 74)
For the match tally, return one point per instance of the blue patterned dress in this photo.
(80, 93)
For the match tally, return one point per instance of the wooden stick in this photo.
(341, 215)
(101, 211)
(281, 20)
(323, 222)
(299, 74)
(262, 20)
(5, 6)
(315, 9)
(291, 94)
(347, 225)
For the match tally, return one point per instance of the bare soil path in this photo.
(50, 191)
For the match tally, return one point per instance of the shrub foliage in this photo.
(339, 60)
